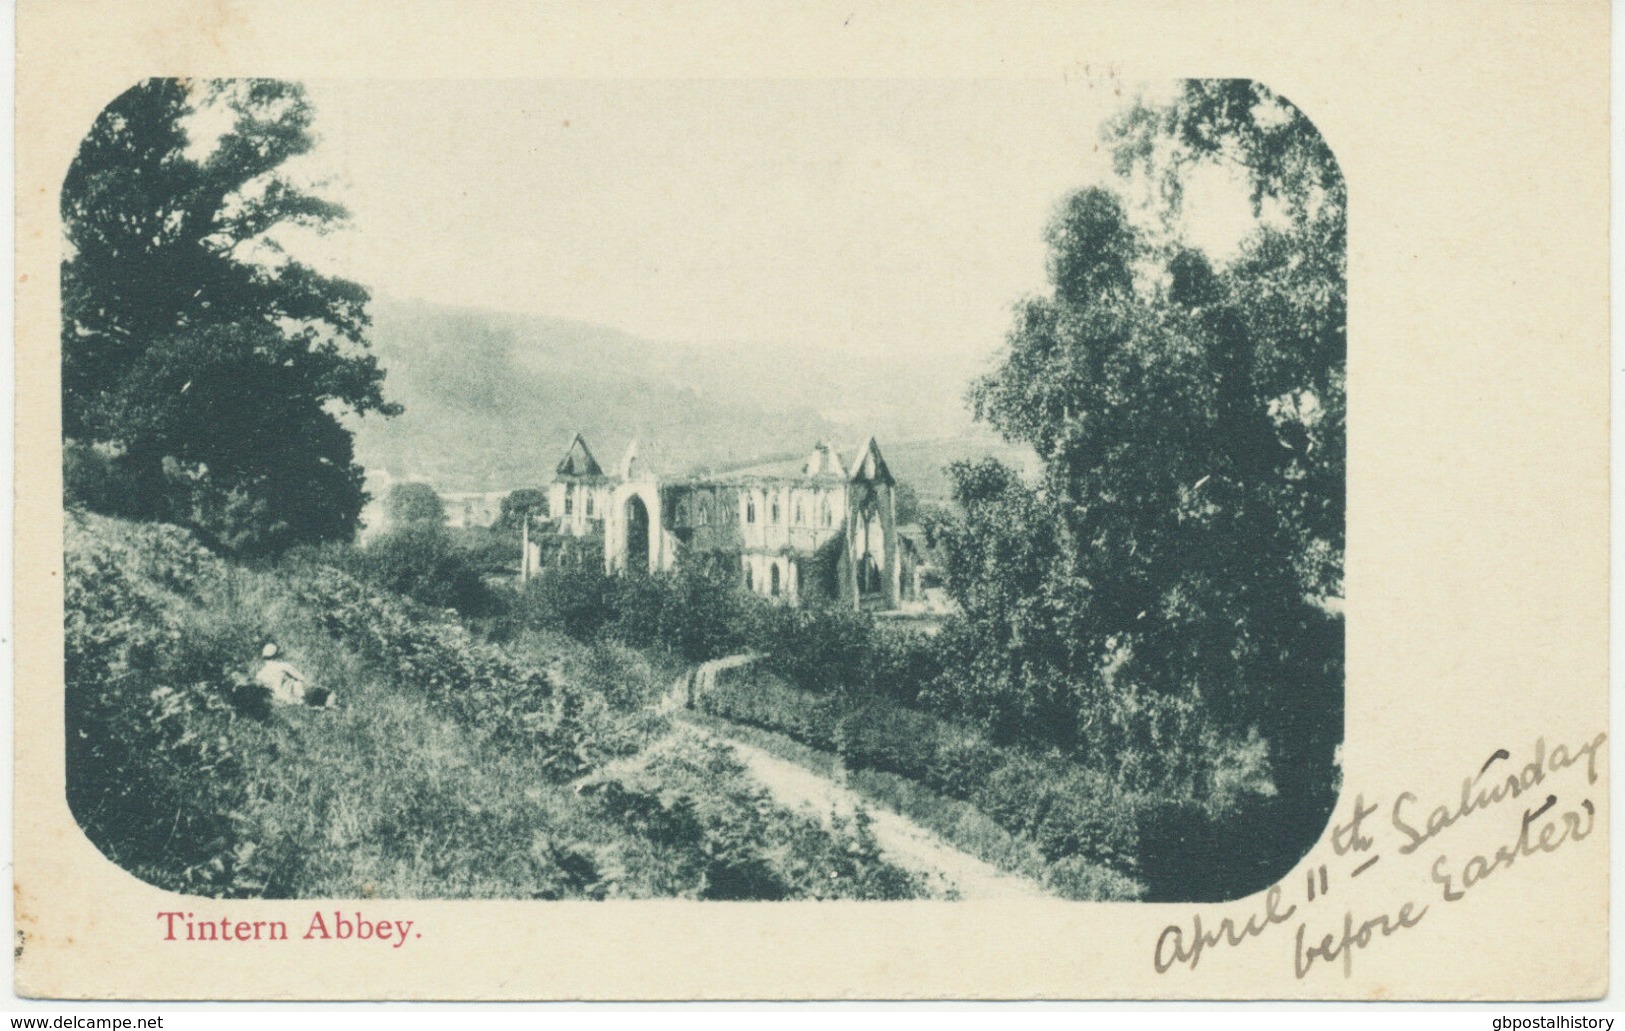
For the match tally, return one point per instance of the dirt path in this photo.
(901, 840)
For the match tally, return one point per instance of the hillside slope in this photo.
(493, 398)
(452, 767)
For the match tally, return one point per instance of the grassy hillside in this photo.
(452, 768)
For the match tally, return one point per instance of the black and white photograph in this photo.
(878, 503)
(722, 491)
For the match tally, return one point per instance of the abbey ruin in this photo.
(819, 527)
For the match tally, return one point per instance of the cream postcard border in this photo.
(1474, 140)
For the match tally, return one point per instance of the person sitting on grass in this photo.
(287, 685)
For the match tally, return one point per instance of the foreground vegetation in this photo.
(1192, 817)
(453, 768)
(520, 754)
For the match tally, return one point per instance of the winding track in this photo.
(901, 840)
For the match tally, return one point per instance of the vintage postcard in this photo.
(882, 501)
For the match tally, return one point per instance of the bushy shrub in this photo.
(1159, 744)
(885, 736)
(1074, 877)
(1084, 816)
(623, 676)
(422, 561)
(575, 600)
(704, 614)
(960, 762)
(696, 612)
(977, 686)
(491, 555)
(822, 650)
(1191, 851)
(1065, 810)
(903, 663)
(686, 613)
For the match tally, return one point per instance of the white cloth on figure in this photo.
(286, 684)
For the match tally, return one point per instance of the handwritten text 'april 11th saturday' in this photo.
(1411, 828)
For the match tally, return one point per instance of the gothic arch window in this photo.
(773, 581)
(589, 504)
(750, 510)
(774, 516)
(569, 501)
(800, 516)
(869, 578)
(825, 516)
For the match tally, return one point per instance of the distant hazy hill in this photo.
(922, 464)
(492, 399)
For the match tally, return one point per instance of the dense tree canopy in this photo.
(1170, 594)
(517, 506)
(203, 369)
(409, 503)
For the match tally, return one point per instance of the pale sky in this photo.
(890, 216)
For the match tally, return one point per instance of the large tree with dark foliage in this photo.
(203, 369)
(1167, 601)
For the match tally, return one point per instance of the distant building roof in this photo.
(823, 463)
(868, 464)
(634, 466)
(578, 461)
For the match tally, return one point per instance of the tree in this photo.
(1172, 586)
(409, 503)
(517, 506)
(242, 446)
(1279, 313)
(176, 266)
(1240, 123)
(1289, 283)
(908, 504)
(423, 561)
